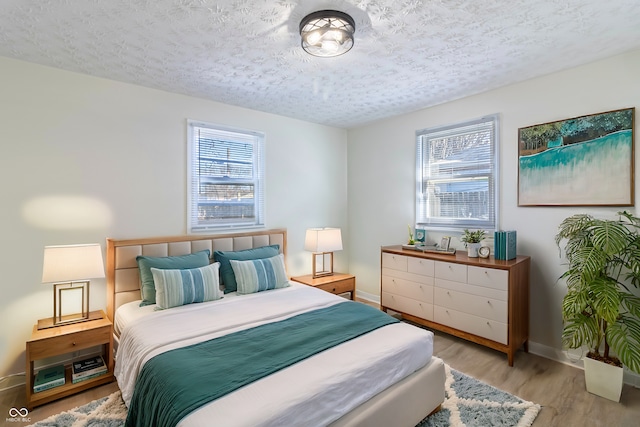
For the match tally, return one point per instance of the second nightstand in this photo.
(67, 339)
(338, 283)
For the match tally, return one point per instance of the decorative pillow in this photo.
(145, 263)
(226, 272)
(260, 274)
(186, 286)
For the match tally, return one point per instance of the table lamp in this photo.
(322, 242)
(69, 268)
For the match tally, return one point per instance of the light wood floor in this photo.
(558, 388)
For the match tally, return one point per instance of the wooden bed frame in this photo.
(405, 403)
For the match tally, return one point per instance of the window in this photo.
(457, 175)
(226, 178)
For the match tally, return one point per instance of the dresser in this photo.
(479, 299)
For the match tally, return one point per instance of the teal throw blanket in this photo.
(177, 382)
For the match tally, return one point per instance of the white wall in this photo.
(381, 171)
(118, 151)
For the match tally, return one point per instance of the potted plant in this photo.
(411, 240)
(471, 240)
(600, 310)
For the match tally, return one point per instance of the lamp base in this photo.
(324, 272)
(317, 274)
(51, 322)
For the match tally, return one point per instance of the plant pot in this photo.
(472, 250)
(603, 379)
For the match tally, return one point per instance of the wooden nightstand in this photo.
(63, 340)
(338, 283)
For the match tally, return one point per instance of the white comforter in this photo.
(313, 392)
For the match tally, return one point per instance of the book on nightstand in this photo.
(87, 368)
(49, 378)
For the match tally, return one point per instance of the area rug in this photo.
(468, 403)
(471, 403)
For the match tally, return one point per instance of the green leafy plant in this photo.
(472, 236)
(411, 241)
(600, 309)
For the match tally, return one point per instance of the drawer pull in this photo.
(334, 289)
(73, 343)
(488, 302)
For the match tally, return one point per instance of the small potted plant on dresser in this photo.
(600, 309)
(471, 240)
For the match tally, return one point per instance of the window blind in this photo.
(457, 175)
(226, 177)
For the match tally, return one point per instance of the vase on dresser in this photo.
(472, 250)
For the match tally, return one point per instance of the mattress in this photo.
(315, 391)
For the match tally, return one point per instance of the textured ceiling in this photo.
(408, 54)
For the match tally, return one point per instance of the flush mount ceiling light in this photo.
(327, 33)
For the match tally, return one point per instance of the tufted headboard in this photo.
(123, 278)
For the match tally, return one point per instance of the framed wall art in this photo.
(582, 161)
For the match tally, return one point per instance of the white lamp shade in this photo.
(323, 240)
(72, 262)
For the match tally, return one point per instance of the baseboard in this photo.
(574, 358)
(372, 298)
(12, 381)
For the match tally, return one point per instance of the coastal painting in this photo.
(583, 161)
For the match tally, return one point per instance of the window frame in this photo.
(256, 138)
(453, 224)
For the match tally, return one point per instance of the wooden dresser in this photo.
(479, 299)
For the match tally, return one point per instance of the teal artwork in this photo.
(583, 161)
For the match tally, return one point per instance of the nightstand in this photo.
(338, 283)
(66, 340)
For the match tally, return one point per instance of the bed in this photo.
(381, 376)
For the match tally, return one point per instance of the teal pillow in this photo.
(145, 263)
(260, 274)
(187, 286)
(226, 272)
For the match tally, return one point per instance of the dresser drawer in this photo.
(482, 307)
(489, 329)
(488, 277)
(480, 291)
(412, 277)
(55, 345)
(407, 305)
(419, 291)
(451, 271)
(395, 262)
(423, 267)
